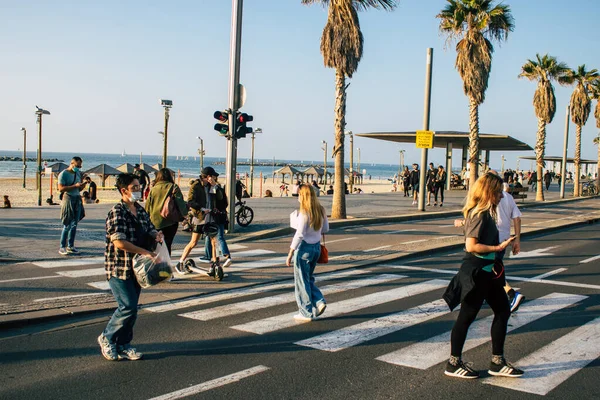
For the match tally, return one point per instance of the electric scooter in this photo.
(190, 265)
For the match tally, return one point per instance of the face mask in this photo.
(135, 196)
(76, 169)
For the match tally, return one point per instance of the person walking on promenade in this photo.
(440, 183)
(216, 202)
(143, 178)
(197, 203)
(430, 182)
(311, 223)
(479, 279)
(164, 186)
(547, 179)
(71, 211)
(414, 182)
(406, 181)
(129, 231)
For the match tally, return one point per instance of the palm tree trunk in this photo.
(473, 141)
(338, 207)
(598, 168)
(577, 161)
(540, 147)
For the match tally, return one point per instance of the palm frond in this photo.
(360, 5)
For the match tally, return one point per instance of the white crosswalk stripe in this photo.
(80, 273)
(432, 351)
(264, 302)
(343, 307)
(554, 363)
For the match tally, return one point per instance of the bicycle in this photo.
(244, 214)
(589, 189)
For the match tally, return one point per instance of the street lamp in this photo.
(164, 140)
(351, 179)
(39, 112)
(502, 157)
(24, 156)
(201, 152)
(324, 148)
(167, 104)
(358, 164)
(401, 166)
(257, 130)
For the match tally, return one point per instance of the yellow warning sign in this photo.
(424, 139)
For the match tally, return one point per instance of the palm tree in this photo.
(342, 49)
(596, 96)
(544, 71)
(475, 23)
(580, 106)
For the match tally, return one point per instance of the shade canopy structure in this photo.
(148, 168)
(457, 139)
(58, 167)
(559, 159)
(103, 171)
(126, 168)
(287, 170)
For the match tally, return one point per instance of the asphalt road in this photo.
(244, 345)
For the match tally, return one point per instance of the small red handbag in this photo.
(324, 256)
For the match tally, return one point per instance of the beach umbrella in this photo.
(147, 167)
(58, 167)
(287, 170)
(103, 171)
(126, 168)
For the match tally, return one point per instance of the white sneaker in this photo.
(321, 306)
(227, 262)
(72, 250)
(63, 252)
(301, 318)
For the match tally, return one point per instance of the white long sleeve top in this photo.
(306, 233)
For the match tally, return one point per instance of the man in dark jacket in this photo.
(414, 182)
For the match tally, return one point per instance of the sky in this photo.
(100, 68)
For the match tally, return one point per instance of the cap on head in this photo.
(209, 171)
(136, 166)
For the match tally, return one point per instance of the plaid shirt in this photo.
(121, 224)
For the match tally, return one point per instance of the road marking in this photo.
(251, 253)
(378, 248)
(29, 279)
(550, 273)
(367, 226)
(440, 271)
(554, 363)
(83, 272)
(340, 256)
(74, 262)
(343, 307)
(236, 293)
(587, 260)
(341, 240)
(534, 253)
(416, 241)
(200, 250)
(267, 262)
(427, 353)
(102, 285)
(283, 298)
(215, 383)
(400, 231)
(446, 226)
(69, 297)
(372, 329)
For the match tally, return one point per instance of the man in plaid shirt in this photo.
(128, 232)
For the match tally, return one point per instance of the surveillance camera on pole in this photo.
(166, 103)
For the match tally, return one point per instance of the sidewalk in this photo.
(161, 294)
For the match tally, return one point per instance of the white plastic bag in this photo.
(150, 271)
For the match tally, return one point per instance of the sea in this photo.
(187, 166)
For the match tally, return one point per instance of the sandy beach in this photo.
(20, 197)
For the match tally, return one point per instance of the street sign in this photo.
(424, 139)
(241, 96)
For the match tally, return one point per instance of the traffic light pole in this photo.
(427, 104)
(234, 101)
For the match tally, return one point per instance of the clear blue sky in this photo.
(100, 68)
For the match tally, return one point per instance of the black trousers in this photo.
(492, 291)
(169, 233)
(439, 189)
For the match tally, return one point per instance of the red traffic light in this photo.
(243, 118)
(221, 116)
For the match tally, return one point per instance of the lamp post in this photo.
(201, 152)
(324, 148)
(502, 157)
(164, 145)
(167, 104)
(401, 166)
(351, 179)
(358, 163)
(24, 157)
(39, 112)
(257, 130)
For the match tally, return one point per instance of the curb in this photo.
(59, 314)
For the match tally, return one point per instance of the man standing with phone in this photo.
(71, 211)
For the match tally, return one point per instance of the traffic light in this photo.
(241, 129)
(223, 125)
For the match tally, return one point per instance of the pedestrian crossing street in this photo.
(573, 351)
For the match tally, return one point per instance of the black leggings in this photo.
(169, 233)
(492, 291)
(439, 189)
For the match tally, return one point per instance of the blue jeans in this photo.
(307, 293)
(120, 327)
(67, 237)
(222, 249)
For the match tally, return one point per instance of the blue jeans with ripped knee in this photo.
(307, 293)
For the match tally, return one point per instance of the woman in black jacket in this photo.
(480, 278)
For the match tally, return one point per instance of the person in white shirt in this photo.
(310, 223)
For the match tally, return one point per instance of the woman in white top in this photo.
(304, 252)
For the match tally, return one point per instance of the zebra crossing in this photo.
(575, 350)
